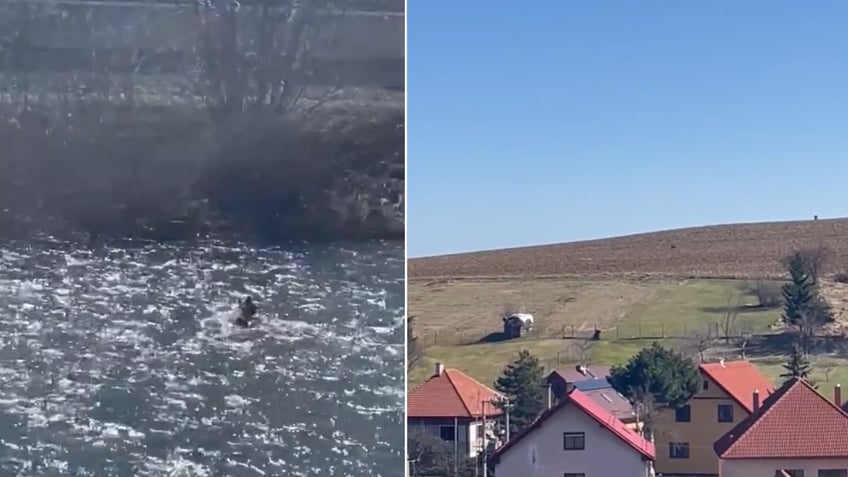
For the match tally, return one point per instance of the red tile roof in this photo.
(451, 394)
(739, 379)
(794, 422)
(596, 412)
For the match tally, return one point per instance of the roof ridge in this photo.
(822, 396)
(766, 407)
(754, 420)
(447, 372)
(607, 419)
(707, 369)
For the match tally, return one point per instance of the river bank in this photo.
(332, 170)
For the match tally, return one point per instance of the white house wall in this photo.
(540, 453)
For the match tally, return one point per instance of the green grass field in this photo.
(676, 310)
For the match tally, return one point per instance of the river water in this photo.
(122, 360)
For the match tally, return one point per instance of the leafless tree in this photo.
(807, 326)
(769, 294)
(697, 344)
(260, 67)
(647, 411)
(731, 313)
(583, 348)
(742, 342)
(414, 349)
(827, 367)
(816, 260)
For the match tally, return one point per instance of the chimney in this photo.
(440, 369)
(837, 394)
(721, 362)
(756, 400)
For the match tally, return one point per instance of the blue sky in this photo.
(553, 121)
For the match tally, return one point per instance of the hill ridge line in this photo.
(747, 250)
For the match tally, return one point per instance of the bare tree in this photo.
(414, 349)
(769, 294)
(697, 344)
(807, 326)
(827, 367)
(816, 260)
(731, 313)
(263, 66)
(647, 412)
(583, 348)
(742, 342)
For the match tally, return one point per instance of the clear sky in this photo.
(553, 121)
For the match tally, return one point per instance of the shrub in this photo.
(769, 294)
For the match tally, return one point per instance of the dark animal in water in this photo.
(248, 311)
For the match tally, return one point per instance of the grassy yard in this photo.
(450, 312)
(695, 306)
(675, 308)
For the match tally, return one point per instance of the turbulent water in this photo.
(123, 361)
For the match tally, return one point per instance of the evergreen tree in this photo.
(523, 381)
(797, 366)
(670, 378)
(799, 292)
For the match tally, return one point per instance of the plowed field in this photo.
(738, 251)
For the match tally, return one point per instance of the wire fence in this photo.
(627, 331)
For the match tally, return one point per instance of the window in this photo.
(706, 385)
(683, 414)
(678, 450)
(833, 473)
(573, 441)
(572, 474)
(447, 433)
(725, 413)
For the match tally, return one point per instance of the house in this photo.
(452, 405)
(593, 382)
(796, 432)
(684, 437)
(575, 438)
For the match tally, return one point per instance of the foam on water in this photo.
(125, 361)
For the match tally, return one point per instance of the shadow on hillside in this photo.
(763, 346)
(737, 309)
(780, 344)
(494, 337)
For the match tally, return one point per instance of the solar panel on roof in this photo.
(592, 384)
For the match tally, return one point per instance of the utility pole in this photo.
(485, 445)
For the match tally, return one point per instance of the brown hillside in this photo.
(718, 251)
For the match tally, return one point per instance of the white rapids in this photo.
(123, 361)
